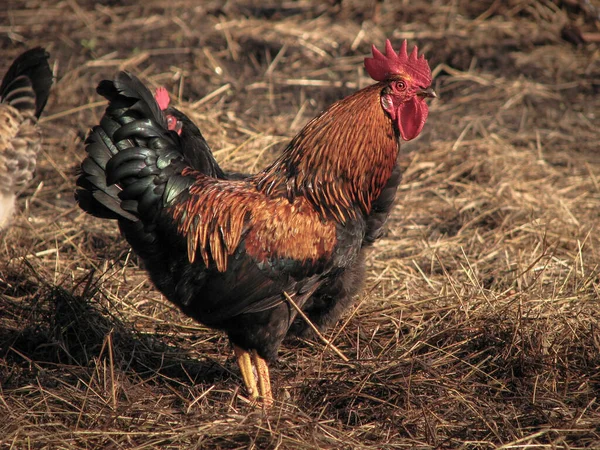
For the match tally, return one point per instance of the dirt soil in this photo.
(479, 323)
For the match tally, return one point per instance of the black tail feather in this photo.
(96, 196)
(131, 155)
(26, 85)
(128, 92)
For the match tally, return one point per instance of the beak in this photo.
(429, 92)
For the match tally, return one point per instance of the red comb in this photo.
(162, 98)
(381, 67)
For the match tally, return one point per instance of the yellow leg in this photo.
(245, 363)
(263, 387)
(264, 380)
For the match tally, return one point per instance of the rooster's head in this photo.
(407, 83)
(162, 98)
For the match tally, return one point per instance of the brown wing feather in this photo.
(218, 214)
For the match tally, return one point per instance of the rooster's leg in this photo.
(263, 387)
(245, 363)
(264, 380)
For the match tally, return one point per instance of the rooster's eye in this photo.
(400, 85)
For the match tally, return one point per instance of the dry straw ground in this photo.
(478, 327)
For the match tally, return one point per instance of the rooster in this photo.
(241, 253)
(23, 95)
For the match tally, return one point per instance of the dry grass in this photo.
(479, 324)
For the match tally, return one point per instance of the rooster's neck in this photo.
(341, 160)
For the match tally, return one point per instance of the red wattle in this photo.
(412, 115)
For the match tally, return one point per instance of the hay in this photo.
(478, 327)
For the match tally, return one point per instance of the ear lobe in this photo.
(388, 105)
(412, 115)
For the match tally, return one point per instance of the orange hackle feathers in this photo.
(340, 160)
